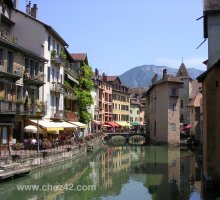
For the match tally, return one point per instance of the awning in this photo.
(52, 126)
(135, 123)
(97, 122)
(72, 79)
(113, 124)
(123, 123)
(81, 125)
(32, 129)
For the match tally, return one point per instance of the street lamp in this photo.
(38, 111)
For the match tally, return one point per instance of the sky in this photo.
(118, 35)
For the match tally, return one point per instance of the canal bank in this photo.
(17, 164)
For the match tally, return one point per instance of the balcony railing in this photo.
(56, 87)
(17, 72)
(39, 77)
(70, 93)
(71, 116)
(7, 36)
(56, 114)
(7, 107)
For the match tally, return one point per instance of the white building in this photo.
(43, 40)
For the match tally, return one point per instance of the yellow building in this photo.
(120, 100)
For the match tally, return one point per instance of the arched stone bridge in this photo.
(108, 136)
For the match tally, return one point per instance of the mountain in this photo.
(141, 76)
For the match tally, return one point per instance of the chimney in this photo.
(34, 10)
(15, 2)
(154, 79)
(96, 72)
(28, 8)
(104, 77)
(164, 73)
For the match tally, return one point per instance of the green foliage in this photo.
(53, 53)
(83, 92)
(67, 85)
(63, 55)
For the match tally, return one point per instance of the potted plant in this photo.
(53, 53)
(63, 55)
(19, 101)
(2, 98)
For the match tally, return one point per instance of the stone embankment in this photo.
(13, 165)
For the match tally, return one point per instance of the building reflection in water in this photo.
(160, 172)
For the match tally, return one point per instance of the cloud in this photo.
(189, 62)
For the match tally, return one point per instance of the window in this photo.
(173, 127)
(174, 92)
(138, 112)
(1, 56)
(181, 118)
(174, 107)
(48, 74)
(10, 62)
(53, 74)
(36, 68)
(58, 49)
(4, 135)
(131, 111)
(53, 44)
(57, 76)
(181, 104)
(32, 67)
(49, 42)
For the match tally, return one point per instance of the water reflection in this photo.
(122, 172)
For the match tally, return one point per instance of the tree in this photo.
(83, 92)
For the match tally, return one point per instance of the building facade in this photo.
(120, 100)
(163, 109)
(211, 94)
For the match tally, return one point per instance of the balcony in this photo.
(7, 107)
(7, 36)
(57, 59)
(37, 80)
(56, 88)
(56, 114)
(71, 116)
(69, 93)
(14, 74)
(30, 110)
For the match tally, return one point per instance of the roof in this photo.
(168, 79)
(202, 76)
(79, 56)
(196, 100)
(111, 78)
(82, 57)
(139, 91)
(182, 72)
(211, 5)
(135, 102)
(47, 27)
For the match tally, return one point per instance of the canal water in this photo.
(125, 172)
